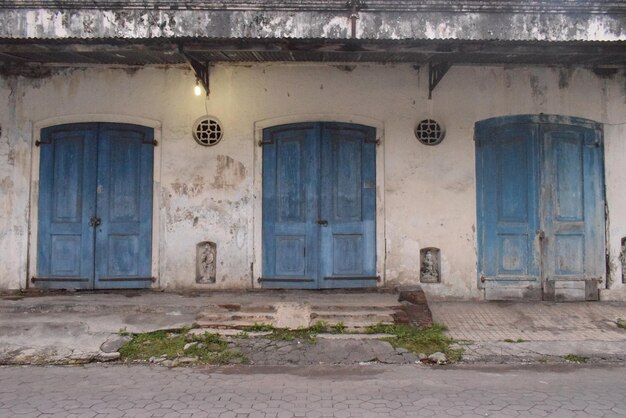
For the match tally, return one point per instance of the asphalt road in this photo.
(314, 391)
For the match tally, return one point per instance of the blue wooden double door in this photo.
(95, 206)
(541, 207)
(319, 206)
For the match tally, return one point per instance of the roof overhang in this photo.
(177, 51)
(366, 32)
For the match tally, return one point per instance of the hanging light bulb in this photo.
(197, 90)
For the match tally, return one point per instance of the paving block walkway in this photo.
(505, 332)
(537, 321)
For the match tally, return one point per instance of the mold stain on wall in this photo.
(229, 173)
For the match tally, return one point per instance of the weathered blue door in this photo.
(95, 207)
(572, 210)
(540, 206)
(319, 206)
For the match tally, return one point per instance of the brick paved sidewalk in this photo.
(512, 331)
(537, 321)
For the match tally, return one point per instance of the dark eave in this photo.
(73, 52)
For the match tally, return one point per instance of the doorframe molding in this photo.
(256, 221)
(33, 208)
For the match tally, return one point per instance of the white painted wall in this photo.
(209, 193)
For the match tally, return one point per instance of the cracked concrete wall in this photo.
(81, 23)
(207, 193)
(14, 184)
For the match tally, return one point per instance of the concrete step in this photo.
(356, 320)
(355, 308)
(237, 321)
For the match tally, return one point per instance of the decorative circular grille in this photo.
(429, 132)
(208, 131)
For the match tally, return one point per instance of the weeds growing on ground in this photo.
(519, 340)
(260, 328)
(206, 348)
(425, 340)
(338, 328)
(621, 323)
(575, 358)
(300, 334)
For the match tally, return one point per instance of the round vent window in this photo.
(207, 131)
(429, 132)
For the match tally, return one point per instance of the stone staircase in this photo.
(356, 311)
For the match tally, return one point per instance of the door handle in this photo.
(541, 235)
(322, 222)
(95, 221)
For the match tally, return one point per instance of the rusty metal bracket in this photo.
(354, 6)
(436, 72)
(266, 142)
(200, 69)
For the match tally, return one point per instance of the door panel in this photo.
(124, 205)
(290, 200)
(319, 191)
(348, 205)
(507, 200)
(95, 173)
(66, 203)
(573, 204)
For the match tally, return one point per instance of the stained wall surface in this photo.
(210, 193)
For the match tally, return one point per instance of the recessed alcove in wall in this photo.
(430, 265)
(206, 260)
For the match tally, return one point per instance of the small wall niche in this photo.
(206, 262)
(430, 265)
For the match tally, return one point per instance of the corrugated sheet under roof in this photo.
(125, 52)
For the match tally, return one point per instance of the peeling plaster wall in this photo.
(14, 185)
(90, 23)
(207, 194)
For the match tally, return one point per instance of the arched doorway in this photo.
(95, 206)
(540, 207)
(319, 206)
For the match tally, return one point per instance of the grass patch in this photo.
(575, 358)
(207, 348)
(300, 334)
(621, 323)
(260, 328)
(427, 340)
(519, 340)
(339, 328)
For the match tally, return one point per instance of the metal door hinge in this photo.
(266, 142)
(127, 279)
